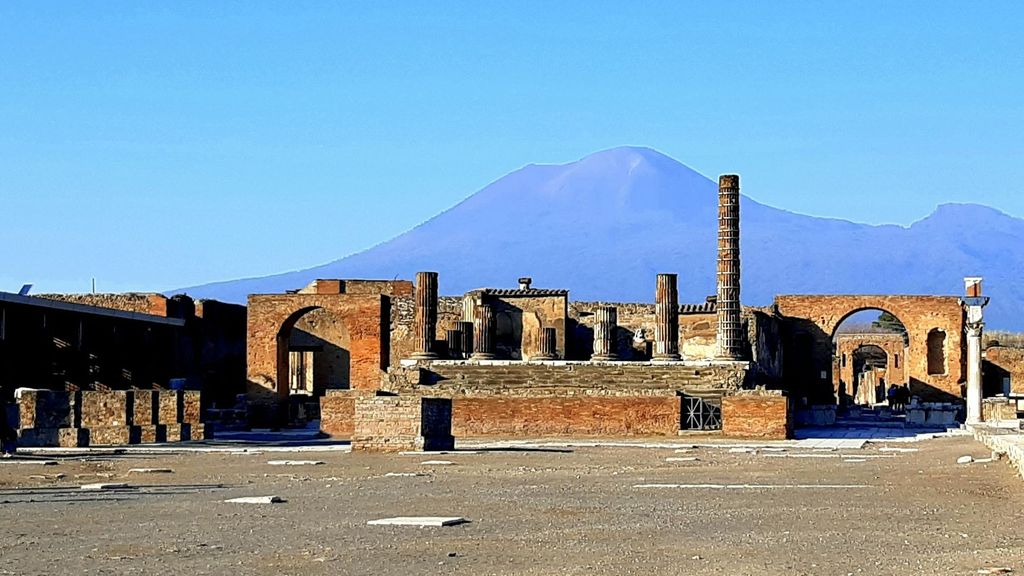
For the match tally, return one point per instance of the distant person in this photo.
(903, 397)
(8, 436)
(890, 396)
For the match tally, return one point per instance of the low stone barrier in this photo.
(764, 414)
(53, 418)
(1006, 441)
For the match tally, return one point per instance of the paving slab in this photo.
(422, 521)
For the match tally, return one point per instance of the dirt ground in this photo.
(556, 511)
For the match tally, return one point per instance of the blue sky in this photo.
(156, 145)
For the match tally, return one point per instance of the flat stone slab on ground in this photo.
(687, 459)
(151, 471)
(105, 486)
(256, 500)
(437, 463)
(295, 462)
(15, 461)
(436, 521)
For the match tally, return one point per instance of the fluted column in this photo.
(426, 316)
(666, 316)
(730, 333)
(483, 332)
(466, 332)
(548, 345)
(454, 340)
(605, 321)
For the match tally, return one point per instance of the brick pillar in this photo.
(548, 345)
(466, 330)
(730, 333)
(605, 321)
(426, 315)
(666, 314)
(454, 339)
(483, 332)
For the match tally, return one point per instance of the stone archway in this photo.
(363, 318)
(816, 319)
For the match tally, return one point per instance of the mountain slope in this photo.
(605, 225)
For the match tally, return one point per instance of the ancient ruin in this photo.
(365, 359)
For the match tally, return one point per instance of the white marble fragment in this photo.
(435, 521)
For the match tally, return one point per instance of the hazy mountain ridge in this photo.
(605, 225)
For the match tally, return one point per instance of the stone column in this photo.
(605, 321)
(666, 315)
(974, 326)
(730, 333)
(483, 332)
(548, 345)
(466, 331)
(426, 316)
(454, 339)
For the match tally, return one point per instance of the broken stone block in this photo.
(191, 407)
(169, 406)
(105, 486)
(144, 408)
(964, 460)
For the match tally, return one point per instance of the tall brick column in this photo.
(466, 330)
(605, 321)
(730, 333)
(426, 316)
(483, 332)
(548, 345)
(666, 315)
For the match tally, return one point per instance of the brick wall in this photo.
(338, 411)
(1007, 362)
(811, 322)
(757, 414)
(566, 416)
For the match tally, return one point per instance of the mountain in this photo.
(603, 226)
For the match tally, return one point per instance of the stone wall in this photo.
(811, 323)
(94, 418)
(764, 414)
(397, 423)
(995, 409)
(1003, 362)
(562, 378)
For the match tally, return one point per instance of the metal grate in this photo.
(699, 414)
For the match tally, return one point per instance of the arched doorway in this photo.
(313, 356)
(870, 348)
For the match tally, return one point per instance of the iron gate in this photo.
(699, 414)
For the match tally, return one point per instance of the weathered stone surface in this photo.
(757, 414)
(114, 435)
(177, 432)
(104, 409)
(145, 407)
(191, 407)
(170, 407)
